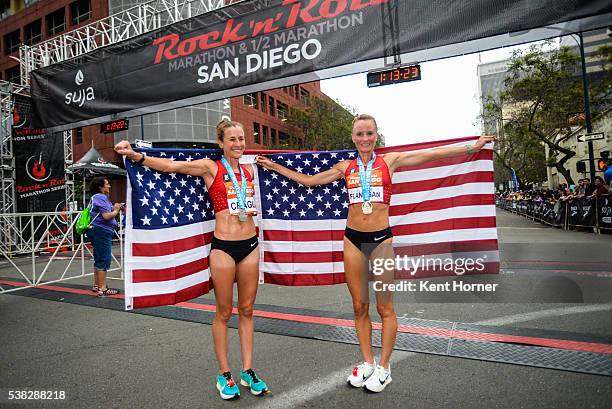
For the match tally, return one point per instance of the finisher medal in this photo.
(365, 177)
(241, 193)
(242, 216)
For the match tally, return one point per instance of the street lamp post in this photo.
(587, 109)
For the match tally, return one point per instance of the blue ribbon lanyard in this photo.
(240, 194)
(365, 176)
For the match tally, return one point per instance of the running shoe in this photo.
(249, 378)
(379, 379)
(226, 386)
(360, 373)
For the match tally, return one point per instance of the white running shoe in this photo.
(360, 373)
(379, 380)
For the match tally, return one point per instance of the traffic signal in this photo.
(603, 162)
(581, 167)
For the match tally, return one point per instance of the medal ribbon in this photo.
(365, 176)
(240, 193)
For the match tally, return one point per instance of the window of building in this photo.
(266, 141)
(256, 133)
(283, 139)
(5, 9)
(56, 22)
(33, 32)
(273, 139)
(13, 75)
(263, 101)
(271, 106)
(11, 42)
(295, 91)
(77, 136)
(304, 96)
(250, 100)
(282, 111)
(80, 11)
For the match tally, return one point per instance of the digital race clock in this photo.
(115, 126)
(395, 75)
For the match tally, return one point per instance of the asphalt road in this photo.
(105, 359)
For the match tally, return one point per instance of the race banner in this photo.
(39, 163)
(255, 45)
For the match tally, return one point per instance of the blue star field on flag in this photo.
(285, 199)
(161, 200)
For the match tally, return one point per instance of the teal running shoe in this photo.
(250, 379)
(227, 387)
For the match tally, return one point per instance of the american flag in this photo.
(444, 209)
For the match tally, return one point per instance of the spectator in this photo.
(600, 187)
(101, 233)
(588, 187)
(565, 194)
(608, 175)
(580, 189)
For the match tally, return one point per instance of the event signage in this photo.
(39, 172)
(256, 45)
(604, 204)
(39, 163)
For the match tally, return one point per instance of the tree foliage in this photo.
(542, 101)
(322, 125)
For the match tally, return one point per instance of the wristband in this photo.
(141, 160)
(469, 150)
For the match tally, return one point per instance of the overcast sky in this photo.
(444, 104)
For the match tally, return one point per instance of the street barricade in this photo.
(575, 213)
(42, 248)
(604, 213)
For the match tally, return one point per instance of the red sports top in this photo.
(380, 190)
(222, 191)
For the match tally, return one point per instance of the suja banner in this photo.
(269, 44)
(39, 163)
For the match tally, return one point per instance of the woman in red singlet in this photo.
(368, 182)
(234, 249)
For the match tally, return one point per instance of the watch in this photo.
(141, 160)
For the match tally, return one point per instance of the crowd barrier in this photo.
(595, 213)
(25, 237)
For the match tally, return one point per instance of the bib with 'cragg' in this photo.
(223, 195)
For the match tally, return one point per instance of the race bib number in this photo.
(232, 199)
(353, 185)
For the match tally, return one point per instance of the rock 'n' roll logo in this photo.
(19, 118)
(61, 207)
(37, 169)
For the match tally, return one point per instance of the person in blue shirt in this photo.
(101, 232)
(608, 174)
